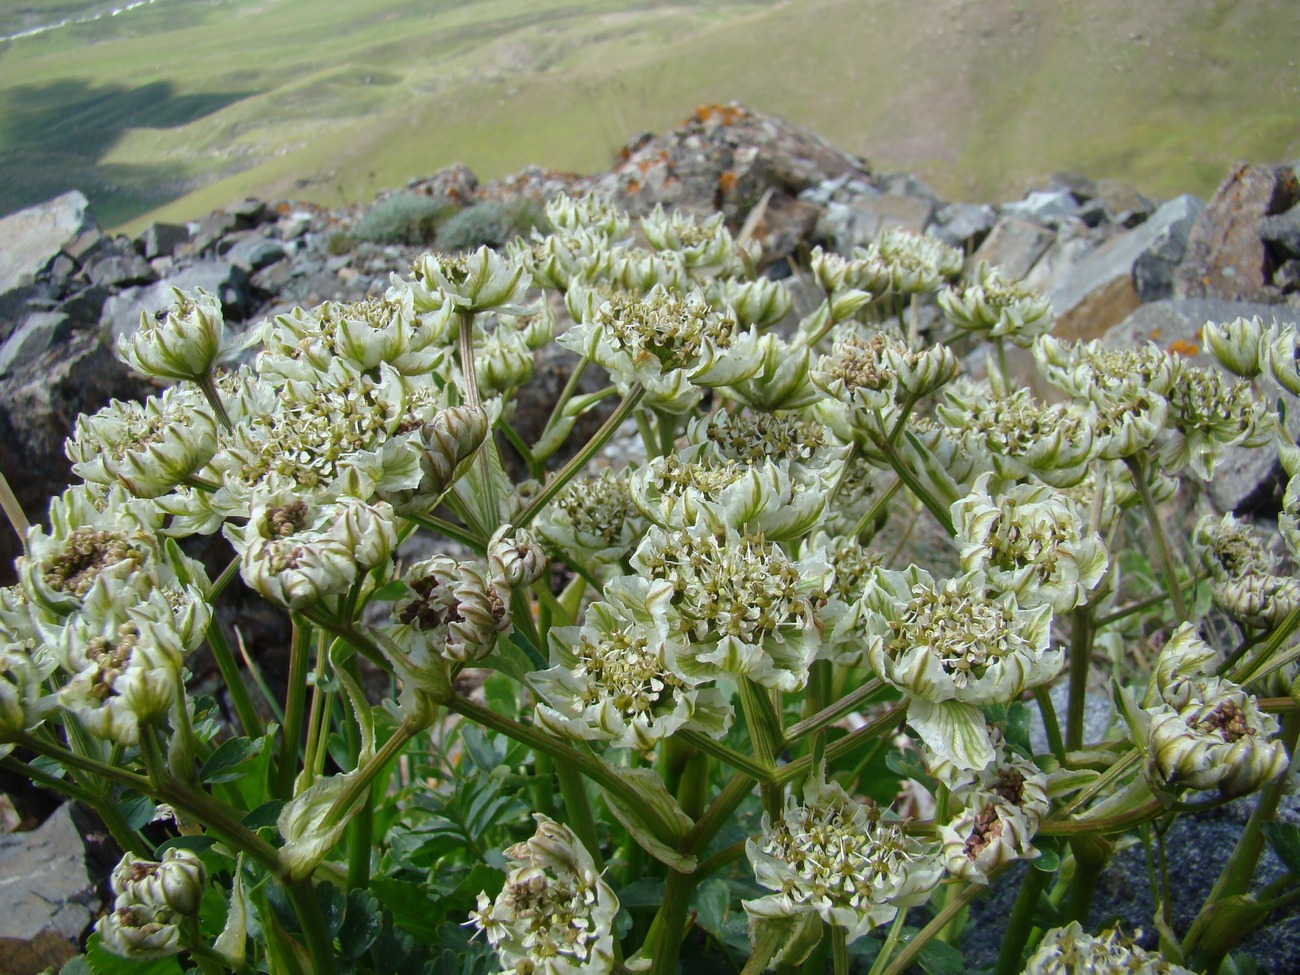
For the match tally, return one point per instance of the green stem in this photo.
(360, 830)
(670, 923)
(446, 529)
(593, 768)
(1043, 697)
(14, 511)
(104, 805)
(803, 764)
(1267, 660)
(352, 792)
(764, 737)
(240, 699)
(581, 458)
(465, 349)
(877, 506)
(832, 712)
(714, 863)
(941, 514)
(725, 754)
(1139, 468)
(1080, 657)
(736, 791)
(210, 393)
(908, 955)
(891, 942)
(577, 806)
(70, 759)
(226, 578)
(295, 707)
(1237, 872)
(1021, 922)
(839, 950)
(302, 895)
(566, 394)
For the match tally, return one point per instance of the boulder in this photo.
(31, 239)
(1225, 256)
(780, 223)
(121, 270)
(162, 239)
(1247, 479)
(1048, 207)
(39, 331)
(1116, 203)
(456, 183)
(1014, 245)
(1153, 271)
(722, 157)
(1099, 292)
(254, 252)
(1283, 231)
(861, 221)
(963, 225)
(49, 895)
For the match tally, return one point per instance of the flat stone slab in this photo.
(31, 238)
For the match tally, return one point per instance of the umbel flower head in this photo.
(996, 307)
(1000, 810)
(951, 647)
(593, 521)
(670, 343)
(448, 609)
(555, 914)
(740, 604)
(1207, 415)
(610, 680)
(184, 342)
(836, 857)
(1030, 540)
(1072, 951)
(151, 900)
(1201, 731)
(1244, 581)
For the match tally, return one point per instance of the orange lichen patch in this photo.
(633, 186)
(1155, 334)
(645, 165)
(624, 154)
(726, 114)
(282, 208)
(1184, 348)
(728, 181)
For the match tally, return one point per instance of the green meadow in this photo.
(173, 109)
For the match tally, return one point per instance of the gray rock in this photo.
(38, 332)
(1045, 207)
(1098, 292)
(48, 897)
(1099, 718)
(30, 239)
(1073, 244)
(860, 222)
(1283, 231)
(1287, 277)
(255, 252)
(1246, 478)
(905, 184)
(1014, 245)
(1153, 271)
(122, 312)
(963, 224)
(162, 239)
(60, 272)
(84, 307)
(122, 270)
(1116, 203)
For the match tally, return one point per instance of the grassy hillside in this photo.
(179, 107)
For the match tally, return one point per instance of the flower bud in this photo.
(516, 560)
(368, 530)
(136, 933)
(1281, 352)
(184, 344)
(300, 570)
(451, 438)
(761, 303)
(1238, 345)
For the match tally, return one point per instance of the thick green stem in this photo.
(295, 707)
(839, 950)
(670, 923)
(1080, 658)
(1237, 872)
(448, 530)
(577, 807)
(13, 511)
(240, 699)
(1139, 468)
(75, 760)
(581, 458)
(832, 712)
(803, 764)
(302, 895)
(353, 791)
(1021, 922)
(213, 396)
(725, 754)
(765, 738)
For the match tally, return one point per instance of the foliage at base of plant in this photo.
(404, 217)
(699, 709)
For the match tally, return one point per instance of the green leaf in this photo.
(101, 961)
(940, 958)
(1018, 722)
(644, 893)
(138, 809)
(76, 966)
(412, 906)
(479, 748)
(362, 922)
(389, 591)
(1284, 838)
(264, 815)
(1050, 858)
(231, 761)
(501, 694)
(713, 905)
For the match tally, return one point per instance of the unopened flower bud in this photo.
(451, 438)
(136, 933)
(1237, 345)
(184, 344)
(515, 560)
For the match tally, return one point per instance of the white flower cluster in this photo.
(151, 900)
(555, 914)
(835, 857)
(1072, 951)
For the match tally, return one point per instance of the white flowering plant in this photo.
(746, 678)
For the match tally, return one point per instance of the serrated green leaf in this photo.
(264, 815)
(232, 760)
(713, 905)
(137, 808)
(479, 748)
(101, 961)
(389, 591)
(362, 922)
(412, 905)
(1284, 838)
(501, 695)
(940, 958)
